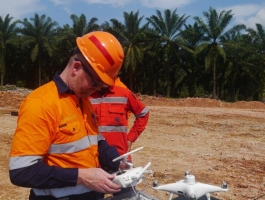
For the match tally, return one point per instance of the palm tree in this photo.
(258, 36)
(7, 36)
(66, 35)
(214, 27)
(64, 42)
(81, 26)
(258, 39)
(167, 29)
(236, 65)
(132, 37)
(191, 38)
(38, 35)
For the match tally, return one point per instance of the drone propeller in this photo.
(125, 156)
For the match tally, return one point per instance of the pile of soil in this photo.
(198, 102)
(13, 98)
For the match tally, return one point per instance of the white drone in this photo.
(131, 176)
(190, 189)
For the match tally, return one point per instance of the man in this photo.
(57, 150)
(111, 106)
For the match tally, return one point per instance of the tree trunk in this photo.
(39, 61)
(2, 72)
(155, 85)
(191, 84)
(2, 63)
(233, 91)
(214, 79)
(168, 81)
(130, 81)
(2, 79)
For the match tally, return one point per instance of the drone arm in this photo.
(175, 188)
(202, 189)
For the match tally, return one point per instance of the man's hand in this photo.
(125, 165)
(98, 180)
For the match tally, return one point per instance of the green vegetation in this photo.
(163, 55)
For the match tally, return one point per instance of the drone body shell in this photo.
(190, 191)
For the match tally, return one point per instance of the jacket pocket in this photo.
(116, 109)
(70, 128)
(117, 114)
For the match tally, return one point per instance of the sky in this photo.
(248, 12)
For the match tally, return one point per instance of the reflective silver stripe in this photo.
(122, 129)
(95, 101)
(122, 100)
(100, 137)
(61, 192)
(22, 161)
(75, 146)
(143, 113)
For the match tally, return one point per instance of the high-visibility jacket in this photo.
(111, 114)
(58, 129)
(119, 83)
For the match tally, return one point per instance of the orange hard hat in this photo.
(103, 52)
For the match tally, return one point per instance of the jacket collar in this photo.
(61, 85)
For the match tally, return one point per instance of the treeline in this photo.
(163, 54)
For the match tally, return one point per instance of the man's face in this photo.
(86, 80)
(82, 86)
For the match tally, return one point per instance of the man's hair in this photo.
(73, 52)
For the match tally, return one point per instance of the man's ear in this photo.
(76, 67)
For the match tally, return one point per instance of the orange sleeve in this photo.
(34, 130)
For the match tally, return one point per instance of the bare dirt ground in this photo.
(212, 139)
